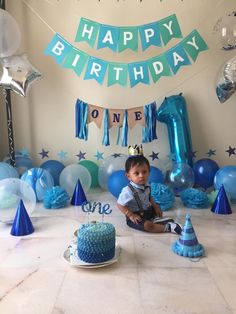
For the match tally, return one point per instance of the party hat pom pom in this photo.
(188, 245)
(22, 224)
(194, 198)
(221, 204)
(162, 195)
(55, 197)
(78, 197)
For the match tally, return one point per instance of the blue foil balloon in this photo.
(173, 113)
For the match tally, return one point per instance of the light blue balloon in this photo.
(40, 180)
(108, 166)
(23, 162)
(180, 177)
(173, 112)
(7, 171)
(227, 176)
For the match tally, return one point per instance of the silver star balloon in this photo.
(18, 74)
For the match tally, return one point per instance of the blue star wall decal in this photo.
(154, 155)
(62, 155)
(99, 155)
(44, 153)
(231, 151)
(211, 152)
(116, 155)
(81, 155)
(191, 154)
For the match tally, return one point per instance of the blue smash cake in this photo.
(96, 242)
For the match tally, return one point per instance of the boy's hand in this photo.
(135, 218)
(158, 211)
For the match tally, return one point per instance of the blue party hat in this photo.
(221, 204)
(188, 245)
(22, 224)
(78, 197)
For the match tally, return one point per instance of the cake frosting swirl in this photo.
(96, 242)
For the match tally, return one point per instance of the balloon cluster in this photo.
(18, 73)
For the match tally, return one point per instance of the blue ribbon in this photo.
(81, 116)
(125, 129)
(106, 140)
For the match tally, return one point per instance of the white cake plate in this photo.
(71, 256)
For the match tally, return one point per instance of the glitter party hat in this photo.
(78, 197)
(221, 204)
(188, 245)
(22, 224)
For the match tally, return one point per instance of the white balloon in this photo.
(18, 74)
(10, 36)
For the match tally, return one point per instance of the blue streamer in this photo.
(125, 130)
(118, 136)
(106, 140)
(81, 120)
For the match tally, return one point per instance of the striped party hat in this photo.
(188, 245)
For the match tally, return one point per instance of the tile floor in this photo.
(148, 277)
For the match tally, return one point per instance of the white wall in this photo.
(45, 118)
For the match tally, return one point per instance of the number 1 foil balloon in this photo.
(18, 74)
(173, 112)
(226, 81)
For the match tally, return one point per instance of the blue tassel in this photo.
(149, 131)
(106, 140)
(77, 118)
(118, 136)
(152, 121)
(81, 120)
(124, 136)
(145, 137)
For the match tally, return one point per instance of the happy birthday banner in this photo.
(124, 119)
(119, 39)
(165, 64)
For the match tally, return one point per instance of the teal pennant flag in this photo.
(169, 28)
(117, 74)
(194, 44)
(128, 38)
(76, 60)
(158, 67)
(138, 73)
(150, 35)
(58, 48)
(177, 57)
(87, 31)
(108, 37)
(96, 69)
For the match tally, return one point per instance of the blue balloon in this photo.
(54, 167)
(180, 177)
(204, 171)
(40, 180)
(173, 112)
(156, 175)
(116, 182)
(7, 171)
(226, 176)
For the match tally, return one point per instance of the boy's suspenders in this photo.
(137, 199)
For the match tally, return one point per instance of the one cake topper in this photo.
(88, 207)
(135, 150)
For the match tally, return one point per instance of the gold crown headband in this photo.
(135, 150)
